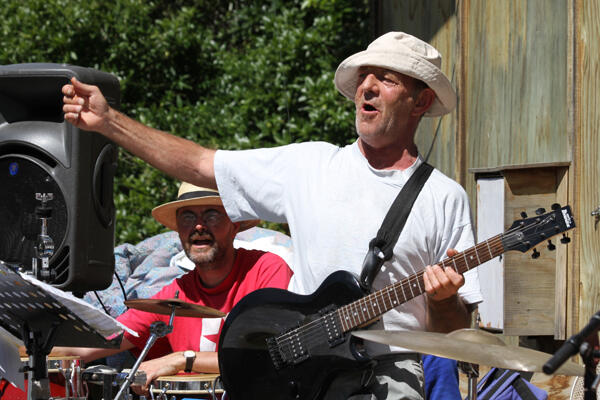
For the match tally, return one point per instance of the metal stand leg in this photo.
(472, 372)
(589, 379)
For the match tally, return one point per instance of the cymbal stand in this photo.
(472, 372)
(158, 329)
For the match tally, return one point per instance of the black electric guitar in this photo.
(280, 345)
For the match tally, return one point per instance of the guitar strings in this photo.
(312, 332)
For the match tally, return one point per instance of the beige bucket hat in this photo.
(400, 52)
(190, 195)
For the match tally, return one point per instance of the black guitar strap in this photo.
(381, 248)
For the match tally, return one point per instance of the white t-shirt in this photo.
(334, 203)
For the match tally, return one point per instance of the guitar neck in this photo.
(370, 307)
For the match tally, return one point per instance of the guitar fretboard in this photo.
(372, 306)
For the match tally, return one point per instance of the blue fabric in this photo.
(507, 390)
(441, 378)
(143, 269)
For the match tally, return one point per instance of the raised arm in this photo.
(86, 108)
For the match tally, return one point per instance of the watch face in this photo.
(189, 353)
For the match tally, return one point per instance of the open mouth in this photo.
(368, 107)
(201, 240)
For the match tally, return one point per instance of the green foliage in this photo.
(226, 74)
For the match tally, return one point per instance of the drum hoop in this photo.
(188, 378)
(182, 380)
(55, 358)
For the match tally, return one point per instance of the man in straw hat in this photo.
(221, 277)
(335, 198)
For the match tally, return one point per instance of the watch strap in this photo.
(189, 362)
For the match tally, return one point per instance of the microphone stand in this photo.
(577, 344)
(590, 379)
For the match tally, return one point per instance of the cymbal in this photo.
(182, 308)
(471, 345)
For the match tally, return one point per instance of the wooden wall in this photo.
(586, 97)
(435, 135)
(527, 76)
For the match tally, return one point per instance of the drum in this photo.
(188, 386)
(104, 382)
(64, 376)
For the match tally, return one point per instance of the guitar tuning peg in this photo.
(551, 245)
(540, 211)
(523, 214)
(555, 206)
(565, 239)
(535, 254)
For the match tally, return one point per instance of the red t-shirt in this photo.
(252, 269)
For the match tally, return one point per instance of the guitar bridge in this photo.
(275, 353)
(286, 349)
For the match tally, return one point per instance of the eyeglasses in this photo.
(189, 219)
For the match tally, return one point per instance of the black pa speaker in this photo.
(41, 154)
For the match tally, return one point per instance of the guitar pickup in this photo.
(331, 325)
(332, 328)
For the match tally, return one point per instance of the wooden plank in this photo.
(529, 283)
(587, 155)
(515, 92)
(435, 22)
(562, 265)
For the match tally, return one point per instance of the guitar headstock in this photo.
(525, 233)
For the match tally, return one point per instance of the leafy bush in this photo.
(226, 74)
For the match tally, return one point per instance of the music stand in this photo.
(41, 321)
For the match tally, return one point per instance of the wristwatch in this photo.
(190, 356)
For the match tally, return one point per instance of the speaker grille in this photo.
(21, 178)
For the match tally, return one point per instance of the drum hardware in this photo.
(109, 378)
(69, 369)
(173, 307)
(470, 345)
(206, 386)
(158, 329)
(472, 373)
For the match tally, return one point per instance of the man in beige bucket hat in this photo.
(334, 198)
(221, 277)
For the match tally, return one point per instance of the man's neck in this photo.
(396, 156)
(211, 275)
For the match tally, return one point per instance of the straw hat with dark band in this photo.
(190, 195)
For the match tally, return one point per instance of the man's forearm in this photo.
(447, 315)
(177, 157)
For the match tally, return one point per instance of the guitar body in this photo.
(276, 344)
(246, 364)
